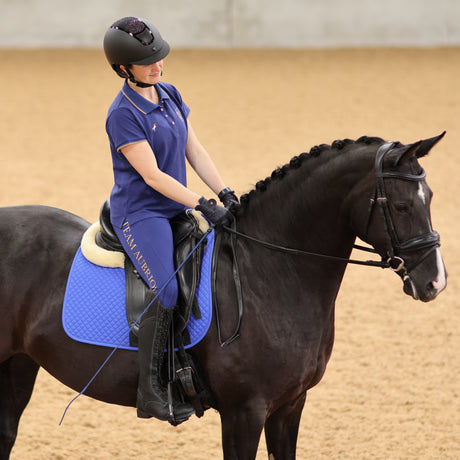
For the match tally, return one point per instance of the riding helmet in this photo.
(133, 40)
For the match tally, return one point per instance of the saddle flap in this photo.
(187, 231)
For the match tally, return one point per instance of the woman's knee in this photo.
(168, 295)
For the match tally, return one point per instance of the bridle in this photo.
(392, 258)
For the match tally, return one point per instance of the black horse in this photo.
(318, 203)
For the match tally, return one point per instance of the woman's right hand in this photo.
(228, 198)
(217, 215)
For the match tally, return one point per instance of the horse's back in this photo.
(15, 218)
(37, 246)
(26, 232)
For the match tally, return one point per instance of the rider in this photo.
(150, 139)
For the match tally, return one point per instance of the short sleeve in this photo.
(123, 128)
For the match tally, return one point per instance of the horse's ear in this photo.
(419, 149)
(427, 145)
(402, 154)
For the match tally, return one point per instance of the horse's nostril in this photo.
(430, 287)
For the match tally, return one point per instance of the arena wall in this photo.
(237, 23)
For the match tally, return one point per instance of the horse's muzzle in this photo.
(429, 290)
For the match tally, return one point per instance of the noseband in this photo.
(428, 241)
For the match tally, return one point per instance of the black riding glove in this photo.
(218, 215)
(228, 198)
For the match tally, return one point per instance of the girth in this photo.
(186, 234)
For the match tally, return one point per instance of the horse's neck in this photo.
(305, 212)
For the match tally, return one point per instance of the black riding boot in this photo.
(152, 397)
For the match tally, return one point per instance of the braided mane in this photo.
(297, 161)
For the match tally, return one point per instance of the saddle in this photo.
(188, 228)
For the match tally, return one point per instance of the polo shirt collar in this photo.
(142, 104)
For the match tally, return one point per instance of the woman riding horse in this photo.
(150, 139)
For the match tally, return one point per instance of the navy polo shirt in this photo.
(132, 118)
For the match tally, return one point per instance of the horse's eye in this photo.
(401, 206)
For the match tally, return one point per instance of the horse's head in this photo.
(392, 214)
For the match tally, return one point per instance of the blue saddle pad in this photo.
(94, 308)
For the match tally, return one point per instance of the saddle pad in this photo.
(94, 308)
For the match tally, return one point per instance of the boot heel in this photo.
(142, 414)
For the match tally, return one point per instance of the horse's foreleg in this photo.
(282, 428)
(241, 432)
(17, 378)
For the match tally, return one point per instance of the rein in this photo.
(299, 252)
(397, 264)
(237, 280)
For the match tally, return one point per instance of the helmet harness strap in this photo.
(133, 80)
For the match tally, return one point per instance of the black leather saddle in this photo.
(186, 234)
